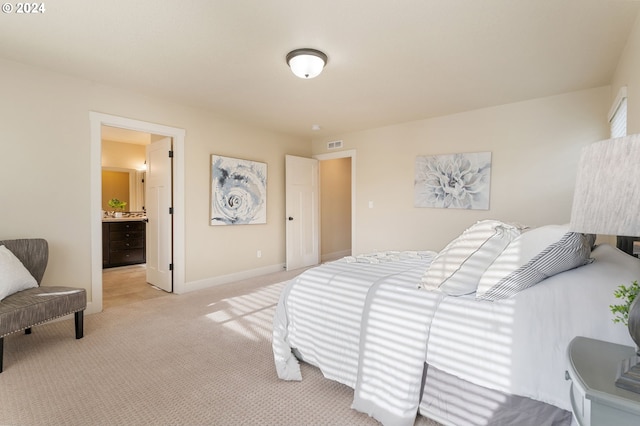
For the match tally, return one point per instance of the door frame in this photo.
(97, 120)
(351, 153)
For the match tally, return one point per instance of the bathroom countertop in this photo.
(123, 219)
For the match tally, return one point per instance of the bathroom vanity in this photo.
(123, 241)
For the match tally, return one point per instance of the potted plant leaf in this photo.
(628, 295)
(117, 204)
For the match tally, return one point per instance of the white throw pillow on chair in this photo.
(14, 277)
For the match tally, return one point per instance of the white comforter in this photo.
(517, 345)
(320, 314)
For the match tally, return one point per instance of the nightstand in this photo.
(595, 398)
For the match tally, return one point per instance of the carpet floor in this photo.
(201, 358)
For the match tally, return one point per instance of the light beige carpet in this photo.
(200, 358)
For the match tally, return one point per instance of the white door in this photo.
(158, 202)
(301, 176)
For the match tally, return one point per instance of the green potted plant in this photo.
(117, 204)
(628, 313)
(627, 294)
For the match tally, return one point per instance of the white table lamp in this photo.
(607, 202)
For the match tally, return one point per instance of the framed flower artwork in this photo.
(238, 191)
(453, 181)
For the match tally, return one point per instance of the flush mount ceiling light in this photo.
(306, 63)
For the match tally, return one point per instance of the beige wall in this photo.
(628, 74)
(46, 158)
(45, 170)
(123, 155)
(335, 208)
(535, 147)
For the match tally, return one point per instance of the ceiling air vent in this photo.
(334, 145)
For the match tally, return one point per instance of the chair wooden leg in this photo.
(79, 318)
(79, 324)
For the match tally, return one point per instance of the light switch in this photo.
(370, 204)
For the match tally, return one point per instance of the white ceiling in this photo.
(389, 61)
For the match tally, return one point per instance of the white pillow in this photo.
(457, 269)
(533, 257)
(14, 276)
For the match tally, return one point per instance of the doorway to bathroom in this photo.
(154, 203)
(126, 236)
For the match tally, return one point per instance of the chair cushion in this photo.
(34, 306)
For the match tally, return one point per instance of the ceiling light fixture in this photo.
(306, 63)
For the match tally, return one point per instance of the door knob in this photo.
(290, 218)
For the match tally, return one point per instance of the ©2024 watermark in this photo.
(23, 8)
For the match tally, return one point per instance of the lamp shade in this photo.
(607, 194)
(306, 63)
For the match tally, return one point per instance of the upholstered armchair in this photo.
(33, 306)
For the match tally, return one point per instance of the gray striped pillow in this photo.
(571, 251)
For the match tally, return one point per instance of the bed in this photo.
(474, 334)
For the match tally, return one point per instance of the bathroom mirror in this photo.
(125, 185)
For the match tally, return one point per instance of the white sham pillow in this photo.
(532, 257)
(14, 276)
(457, 269)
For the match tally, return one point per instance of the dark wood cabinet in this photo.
(123, 243)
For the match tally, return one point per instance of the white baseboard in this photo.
(226, 279)
(92, 308)
(330, 257)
